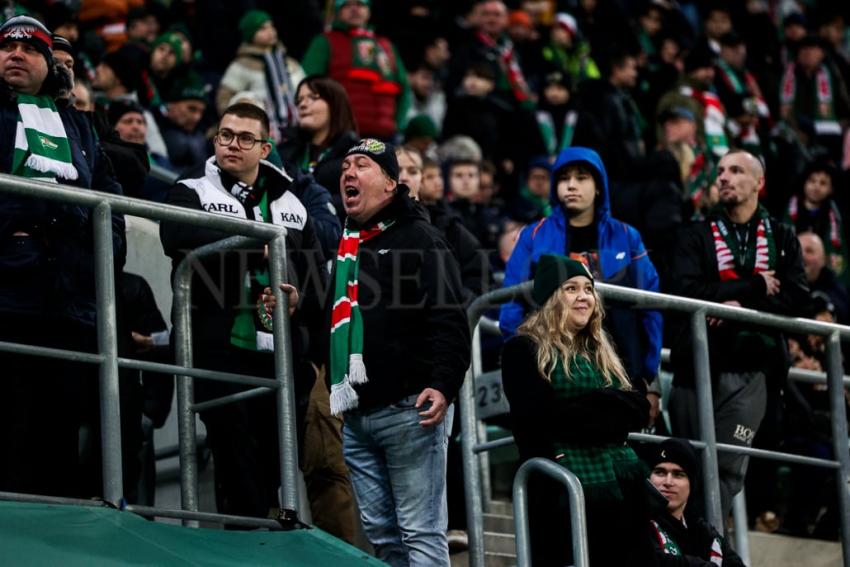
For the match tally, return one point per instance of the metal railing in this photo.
(474, 444)
(104, 205)
(578, 524)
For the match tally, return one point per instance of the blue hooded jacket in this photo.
(623, 260)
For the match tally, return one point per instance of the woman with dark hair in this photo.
(572, 402)
(326, 130)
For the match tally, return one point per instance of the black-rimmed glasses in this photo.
(245, 140)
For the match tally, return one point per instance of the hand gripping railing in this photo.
(104, 204)
(578, 523)
(473, 444)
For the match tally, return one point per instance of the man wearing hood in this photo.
(400, 346)
(581, 226)
(367, 65)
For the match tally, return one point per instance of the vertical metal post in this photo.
(185, 388)
(285, 394)
(474, 508)
(480, 428)
(705, 405)
(578, 524)
(835, 381)
(107, 334)
(742, 534)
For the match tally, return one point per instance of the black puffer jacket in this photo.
(46, 247)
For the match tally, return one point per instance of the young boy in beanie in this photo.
(674, 473)
(263, 67)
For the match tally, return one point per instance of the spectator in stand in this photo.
(128, 120)
(716, 23)
(680, 535)
(263, 67)
(481, 219)
(142, 25)
(118, 77)
(741, 95)
(81, 96)
(567, 51)
(421, 133)
(233, 332)
(556, 115)
(572, 402)
(820, 276)
(367, 65)
(395, 431)
(47, 265)
(185, 105)
(813, 94)
(581, 226)
(739, 256)
(165, 67)
(534, 202)
(428, 96)
(814, 209)
(326, 131)
(490, 45)
(794, 30)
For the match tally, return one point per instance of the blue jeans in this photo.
(398, 470)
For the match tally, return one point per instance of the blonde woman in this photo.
(572, 402)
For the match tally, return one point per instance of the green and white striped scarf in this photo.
(347, 366)
(42, 150)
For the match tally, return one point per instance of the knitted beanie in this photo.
(552, 271)
(676, 451)
(30, 31)
(251, 22)
(172, 39)
(379, 152)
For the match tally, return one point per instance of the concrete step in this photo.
(490, 559)
(495, 542)
(500, 523)
(771, 550)
(502, 507)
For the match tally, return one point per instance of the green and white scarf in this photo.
(347, 366)
(42, 150)
(599, 468)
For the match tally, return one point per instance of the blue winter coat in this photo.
(623, 260)
(51, 271)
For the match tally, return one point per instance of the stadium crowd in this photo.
(700, 148)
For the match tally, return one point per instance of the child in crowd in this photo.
(814, 209)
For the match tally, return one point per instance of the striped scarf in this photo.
(823, 89)
(347, 366)
(600, 468)
(732, 261)
(279, 89)
(42, 150)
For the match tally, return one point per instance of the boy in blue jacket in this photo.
(581, 226)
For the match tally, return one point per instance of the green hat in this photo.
(252, 21)
(552, 271)
(174, 41)
(420, 126)
(338, 3)
(188, 87)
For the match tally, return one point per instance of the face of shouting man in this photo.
(366, 187)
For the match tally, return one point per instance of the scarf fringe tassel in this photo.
(356, 369)
(343, 398)
(45, 165)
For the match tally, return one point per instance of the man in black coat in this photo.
(47, 291)
(739, 256)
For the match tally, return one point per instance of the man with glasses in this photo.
(232, 327)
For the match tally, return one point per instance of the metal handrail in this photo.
(104, 205)
(578, 522)
(473, 443)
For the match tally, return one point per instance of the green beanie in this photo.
(420, 126)
(173, 39)
(188, 87)
(252, 21)
(339, 3)
(552, 271)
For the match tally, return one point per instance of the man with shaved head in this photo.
(821, 277)
(739, 255)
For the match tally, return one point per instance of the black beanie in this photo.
(552, 271)
(127, 64)
(381, 153)
(118, 108)
(679, 452)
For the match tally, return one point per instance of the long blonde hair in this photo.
(548, 328)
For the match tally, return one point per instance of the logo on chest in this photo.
(227, 208)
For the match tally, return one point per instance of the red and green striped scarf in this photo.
(759, 258)
(347, 366)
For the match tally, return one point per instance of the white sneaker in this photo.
(458, 540)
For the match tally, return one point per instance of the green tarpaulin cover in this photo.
(33, 535)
